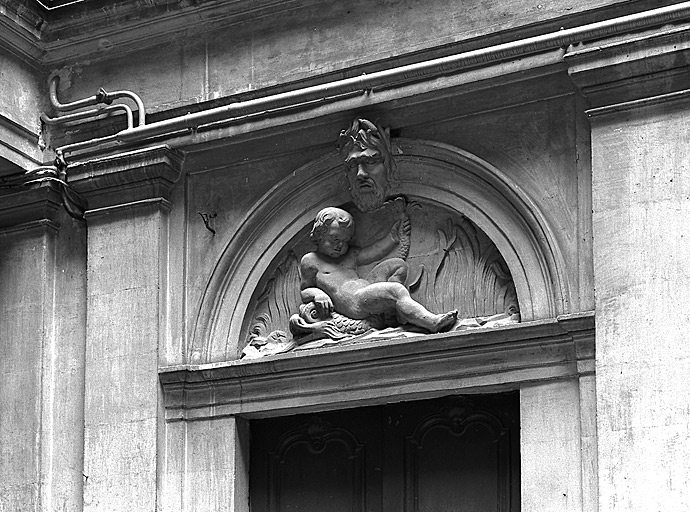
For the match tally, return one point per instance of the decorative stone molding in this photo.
(632, 68)
(428, 171)
(127, 177)
(302, 382)
(25, 207)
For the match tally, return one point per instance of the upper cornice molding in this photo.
(632, 70)
(20, 30)
(99, 29)
(50, 33)
(127, 178)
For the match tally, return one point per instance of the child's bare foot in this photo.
(445, 320)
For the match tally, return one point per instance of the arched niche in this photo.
(428, 171)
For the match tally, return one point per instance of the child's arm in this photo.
(308, 289)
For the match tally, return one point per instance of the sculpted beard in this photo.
(370, 198)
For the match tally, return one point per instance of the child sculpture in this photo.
(329, 279)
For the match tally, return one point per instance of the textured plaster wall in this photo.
(22, 92)
(22, 99)
(641, 201)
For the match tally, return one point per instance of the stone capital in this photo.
(25, 207)
(128, 177)
(631, 69)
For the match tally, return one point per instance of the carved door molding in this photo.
(458, 419)
(317, 438)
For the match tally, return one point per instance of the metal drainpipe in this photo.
(60, 152)
(102, 96)
(85, 114)
(412, 72)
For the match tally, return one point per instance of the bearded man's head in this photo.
(366, 150)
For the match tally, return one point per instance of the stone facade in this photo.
(132, 267)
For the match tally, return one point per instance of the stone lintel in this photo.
(631, 68)
(127, 177)
(26, 206)
(383, 371)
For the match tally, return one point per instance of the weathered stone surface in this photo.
(641, 209)
(328, 378)
(209, 459)
(42, 340)
(550, 447)
(125, 288)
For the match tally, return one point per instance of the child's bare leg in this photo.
(393, 270)
(413, 312)
(392, 297)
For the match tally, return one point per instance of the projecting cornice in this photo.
(377, 372)
(126, 178)
(51, 34)
(632, 69)
(20, 32)
(95, 29)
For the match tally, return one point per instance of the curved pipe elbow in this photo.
(74, 105)
(102, 97)
(135, 98)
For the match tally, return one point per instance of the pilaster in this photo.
(42, 343)
(127, 264)
(636, 89)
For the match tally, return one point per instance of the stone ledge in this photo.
(127, 177)
(32, 204)
(631, 67)
(383, 371)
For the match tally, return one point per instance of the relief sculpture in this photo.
(371, 273)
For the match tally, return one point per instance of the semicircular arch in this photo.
(431, 171)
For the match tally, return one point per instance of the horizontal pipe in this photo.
(85, 114)
(51, 8)
(423, 70)
(68, 148)
(43, 169)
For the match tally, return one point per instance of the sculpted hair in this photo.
(367, 135)
(328, 216)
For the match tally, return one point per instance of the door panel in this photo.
(301, 463)
(451, 454)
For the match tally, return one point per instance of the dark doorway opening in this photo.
(456, 453)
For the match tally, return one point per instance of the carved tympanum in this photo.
(383, 266)
(450, 265)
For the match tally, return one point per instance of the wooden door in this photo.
(450, 454)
